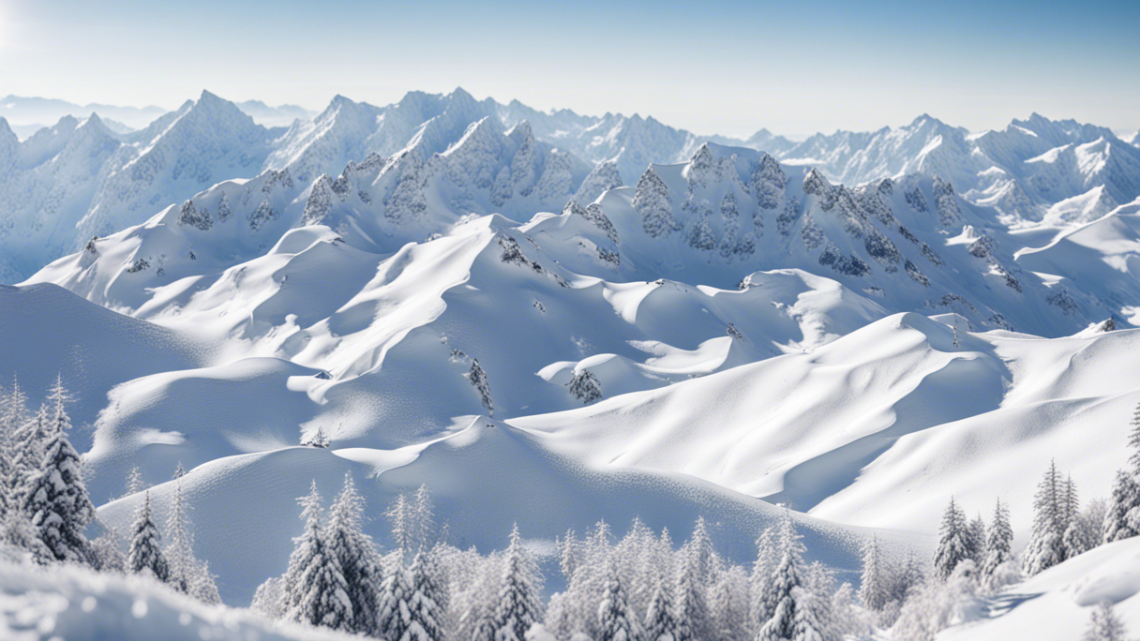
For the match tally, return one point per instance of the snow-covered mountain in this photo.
(1031, 170)
(19, 110)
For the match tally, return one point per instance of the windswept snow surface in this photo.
(1057, 604)
(77, 604)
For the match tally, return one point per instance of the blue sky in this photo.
(727, 67)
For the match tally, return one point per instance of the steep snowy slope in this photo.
(49, 332)
(882, 426)
(1057, 604)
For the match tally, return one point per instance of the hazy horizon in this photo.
(730, 69)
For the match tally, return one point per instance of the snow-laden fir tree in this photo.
(401, 519)
(54, 497)
(569, 554)
(29, 439)
(1046, 544)
(204, 585)
(135, 483)
(423, 519)
(729, 605)
(953, 541)
(787, 579)
(106, 552)
(1104, 625)
(1121, 519)
(425, 606)
(977, 540)
(813, 617)
(180, 546)
(315, 590)
(394, 620)
(999, 543)
(767, 556)
(360, 563)
(478, 379)
(659, 622)
(585, 387)
(874, 591)
(690, 606)
(1076, 539)
(145, 555)
(651, 200)
(520, 595)
(616, 620)
(704, 553)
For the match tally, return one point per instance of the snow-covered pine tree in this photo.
(423, 519)
(659, 622)
(1104, 625)
(813, 617)
(1076, 538)
(767, 556)
(359, 560)
(477, 376)
(425, 611)
(145, 555)
(29, 439)
(953, 542)
(520, 595)
(704, 552)
(729, 606)
(569, 554)
(786, 582)
(690, 605)
(999, 542)
(1122, 504)
(585, 387)
(106, 553)
(54, 497)
(977, 540)
(315, 590)
(651, 200)
(393, 621)
(1046, 545)
(135, 483)
(1122, 519)
(203, 585)
(401, 519)
(180, 549)
(874, 590)
(616, 620)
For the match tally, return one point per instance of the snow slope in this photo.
(1057, 604)
(80, 605)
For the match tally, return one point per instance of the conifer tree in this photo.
(1123, 504)
(767, 556)
(423, 520)
(786, 581)
(356, 553)
(519, 604)
(659, 622)
(401, 518)
(616, 621)
(180, 549)
(729, 605)
(315, 590)
(999, 542)
(873, 591)
(1046, 545)
(689, 598)
(393, 621)
(425, 606)
(145, 556)
(651, 200)
(1104, 625)
(977, 539)
(953, 543)
(55, 498)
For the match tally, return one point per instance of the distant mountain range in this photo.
(89, 176)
